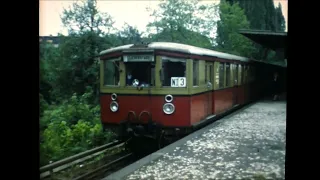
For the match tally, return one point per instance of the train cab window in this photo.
(111, 72)
(228, 74)
(172, 67)
(221, 75)
(141, 72)
(195, 73)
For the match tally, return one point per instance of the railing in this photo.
(48, 170)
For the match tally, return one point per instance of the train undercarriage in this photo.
(152, 136)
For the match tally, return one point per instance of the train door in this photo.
(209, 82)
(235, 84)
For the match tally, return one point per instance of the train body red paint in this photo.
(152, 104)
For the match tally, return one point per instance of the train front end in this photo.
(133, 98)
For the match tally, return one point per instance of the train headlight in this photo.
(168, 108)
(113, 96)
(168, 98)
(114, 106)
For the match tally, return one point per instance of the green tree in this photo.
(49, 56)
(232, 18)
(84, 16)
(129, 35)
(182, 35)
(87, 31)
(71, 125)
(280, 21)
(262, 15)
(183, 21)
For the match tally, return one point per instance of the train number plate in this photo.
(178, 82)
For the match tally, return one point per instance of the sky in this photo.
(131, 11)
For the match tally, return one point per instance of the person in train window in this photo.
(129, 78)
(275, 86)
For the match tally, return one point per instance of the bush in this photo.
(70, 128)
(42, 104)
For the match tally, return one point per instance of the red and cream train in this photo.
(162, 89)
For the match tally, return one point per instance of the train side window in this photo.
(172, 67)
(248, 74)
(248, 79)
(208, 73)
(240, 74)
(221, 75)
(243, 74)
(195, 73)
(211, 73)
(205, 73)
(235, 74)
(227, 74)
(111, 72)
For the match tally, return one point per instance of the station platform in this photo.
(249, 143)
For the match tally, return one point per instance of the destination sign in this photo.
(138, 58)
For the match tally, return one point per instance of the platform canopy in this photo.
(276, 41)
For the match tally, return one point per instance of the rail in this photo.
(48, 170)
(103, 168)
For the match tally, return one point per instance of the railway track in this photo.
(92, 164)
(106, 169)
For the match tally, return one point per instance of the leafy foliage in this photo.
(71, 127)
(87, 29)
(84, 16)
(232, 18)
(280, 21)
(130, 35)
(262, 15)
(182, 21)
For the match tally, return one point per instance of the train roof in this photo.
(178, 47)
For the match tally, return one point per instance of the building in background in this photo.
(54, 40)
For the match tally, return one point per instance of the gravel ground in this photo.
(249, 144)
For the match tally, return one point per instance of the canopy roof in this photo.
(273, 40)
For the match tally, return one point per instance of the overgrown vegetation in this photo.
(70, 128)
(260, 15)
(69, 74)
